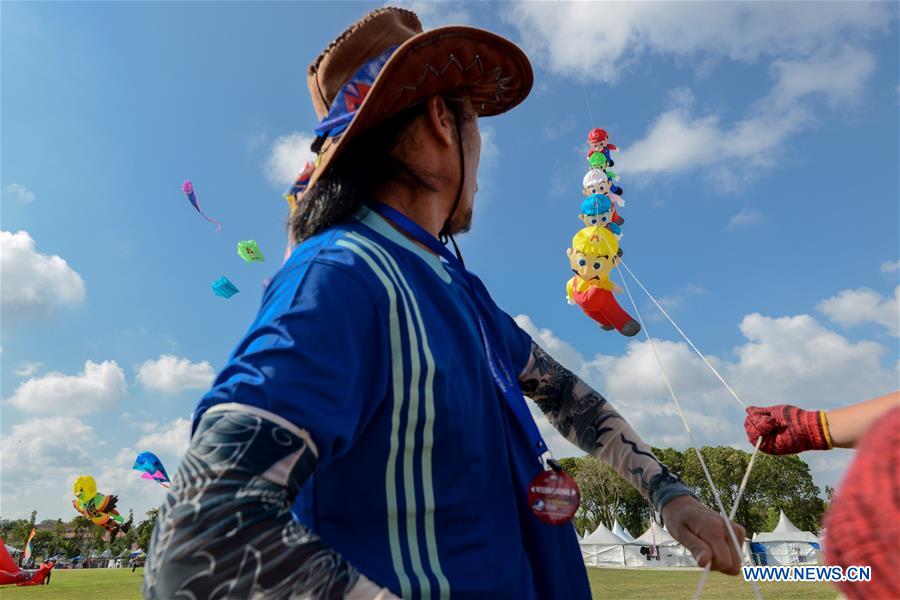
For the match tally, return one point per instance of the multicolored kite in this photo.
(188, 188)
(249, 251)
(151, 468)
(223, 287)
(98, 508)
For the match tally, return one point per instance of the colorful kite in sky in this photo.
(223, 287)
(188, 188)
(249, 251)
(100, 509)
(151, 468)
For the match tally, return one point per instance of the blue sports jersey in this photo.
(370, 344)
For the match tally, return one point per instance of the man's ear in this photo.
(439, 121)
(569, 252)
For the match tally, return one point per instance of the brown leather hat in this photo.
(384, 62)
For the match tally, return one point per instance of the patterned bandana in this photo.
(351, 96)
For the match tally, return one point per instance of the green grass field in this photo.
(122, 584)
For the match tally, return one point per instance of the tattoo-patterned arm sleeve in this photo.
(225, 528)
(586, 419)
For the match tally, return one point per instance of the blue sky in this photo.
(759, 161)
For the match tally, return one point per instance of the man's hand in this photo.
(786, 429)
(704, 533)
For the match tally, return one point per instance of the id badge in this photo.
(553, 496)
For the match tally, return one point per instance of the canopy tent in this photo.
(603, 548)
(787, 544)
(622, 532)
(12, 551)
(662, 550)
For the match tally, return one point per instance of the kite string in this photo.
(731, 515)
(681, 413)
(684, 335)
(687, 427)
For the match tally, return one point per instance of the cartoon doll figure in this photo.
(598, 210)
(598, 140)
(594, 253)
(598, 163)
(98, 508)
(596, 182)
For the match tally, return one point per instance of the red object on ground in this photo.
(38, 576)
(863, 523)
(786, 429)
(10, 573)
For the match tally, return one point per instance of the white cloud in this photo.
(40, 443)
(288, 155)
(434, 13)
(787, 360)
(890, 266)
(20, 192)
(746, 216)
(170, 374)
(809, 45)
(42, 456)
(679, 297)
(169, 440)
(838, 75)
(853, 307)
(27, 369)
(34, 283)
(708, 141)
(488, 162)
(621, 33)
(96, 388)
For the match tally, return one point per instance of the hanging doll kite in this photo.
(598, 210)
(598, 140)
(151, 468)
(594, 253)
(98, 508)
(188, 188)
(596, 182)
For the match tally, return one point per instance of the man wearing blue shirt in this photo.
(366, 438)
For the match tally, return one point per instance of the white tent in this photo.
(787, 544)
(602, 548)
(664, 550)
(655, 535)
(622, 532)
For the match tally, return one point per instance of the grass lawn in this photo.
(122, 584)
(83, 584)
(650, 584)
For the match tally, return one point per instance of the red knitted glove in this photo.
(786, 429)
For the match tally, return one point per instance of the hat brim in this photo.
(495, 73)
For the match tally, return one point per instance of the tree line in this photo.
(76, 537)
(776, 483)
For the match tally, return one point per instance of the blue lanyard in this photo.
(500, 371)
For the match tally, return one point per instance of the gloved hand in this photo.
(786, 429)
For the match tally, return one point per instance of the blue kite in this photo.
(151, 468)
(223, 287)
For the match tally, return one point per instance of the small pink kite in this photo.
(188, 189)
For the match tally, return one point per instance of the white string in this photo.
(686, 338)
(687, 427)
(731, 515)
(588, 103)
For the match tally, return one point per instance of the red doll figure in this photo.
(594, 253)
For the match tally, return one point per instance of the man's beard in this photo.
(460, 222)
